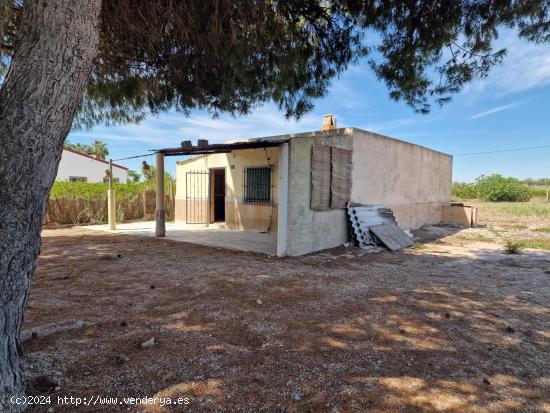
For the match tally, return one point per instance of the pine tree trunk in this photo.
(38, 101)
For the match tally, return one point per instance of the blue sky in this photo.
(510, 109)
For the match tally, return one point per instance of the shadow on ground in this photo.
(337, 331)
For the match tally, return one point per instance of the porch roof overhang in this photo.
(221, 147)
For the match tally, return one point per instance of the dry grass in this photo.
(512, 213)
(536, 243)
(528, 209)
(507, 222)
(418, 246)
(475, 237)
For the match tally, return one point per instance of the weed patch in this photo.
(513, 247)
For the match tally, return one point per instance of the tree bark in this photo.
(40, 96)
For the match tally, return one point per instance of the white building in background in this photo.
(77, 166)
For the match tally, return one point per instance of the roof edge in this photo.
(65, 148)
(347, 131)
(337, 132)
(401, 141)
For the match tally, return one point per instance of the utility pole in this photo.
(160, 213)
(111, 199)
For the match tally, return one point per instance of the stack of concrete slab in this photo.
(362, 217)
(393, 237)
(375, 225)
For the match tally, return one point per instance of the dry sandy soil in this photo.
(446, 326)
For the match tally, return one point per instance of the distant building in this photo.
(77, 166)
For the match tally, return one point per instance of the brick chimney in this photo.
(329, 122)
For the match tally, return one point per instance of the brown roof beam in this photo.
(219, 148)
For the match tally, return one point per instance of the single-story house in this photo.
(77, 166)
(298, 185)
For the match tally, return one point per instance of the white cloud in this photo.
(171, 128)
(147, 132)
(346, 96)
(526, 66)
(495, 110)
(265, 121)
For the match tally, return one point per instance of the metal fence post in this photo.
(111, 199)
(160, 213)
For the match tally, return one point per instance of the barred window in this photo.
(257, 185)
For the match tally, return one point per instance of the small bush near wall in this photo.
(493, 188)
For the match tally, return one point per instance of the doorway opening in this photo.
(218, 194)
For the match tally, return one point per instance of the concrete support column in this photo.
(160, 213)
(111, 207)
(282, 217)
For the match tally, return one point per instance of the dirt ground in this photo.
(444, 326)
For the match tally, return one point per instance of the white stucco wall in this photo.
(414, 181)
(310, 230)
(73, 164)
(238, 214)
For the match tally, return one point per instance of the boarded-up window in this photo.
(340, 185)
(320, 177)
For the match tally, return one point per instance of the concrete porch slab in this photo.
(214, 235)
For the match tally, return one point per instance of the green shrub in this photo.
(496, 188)
(513, 247)
(462, 190)
(87, 190)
